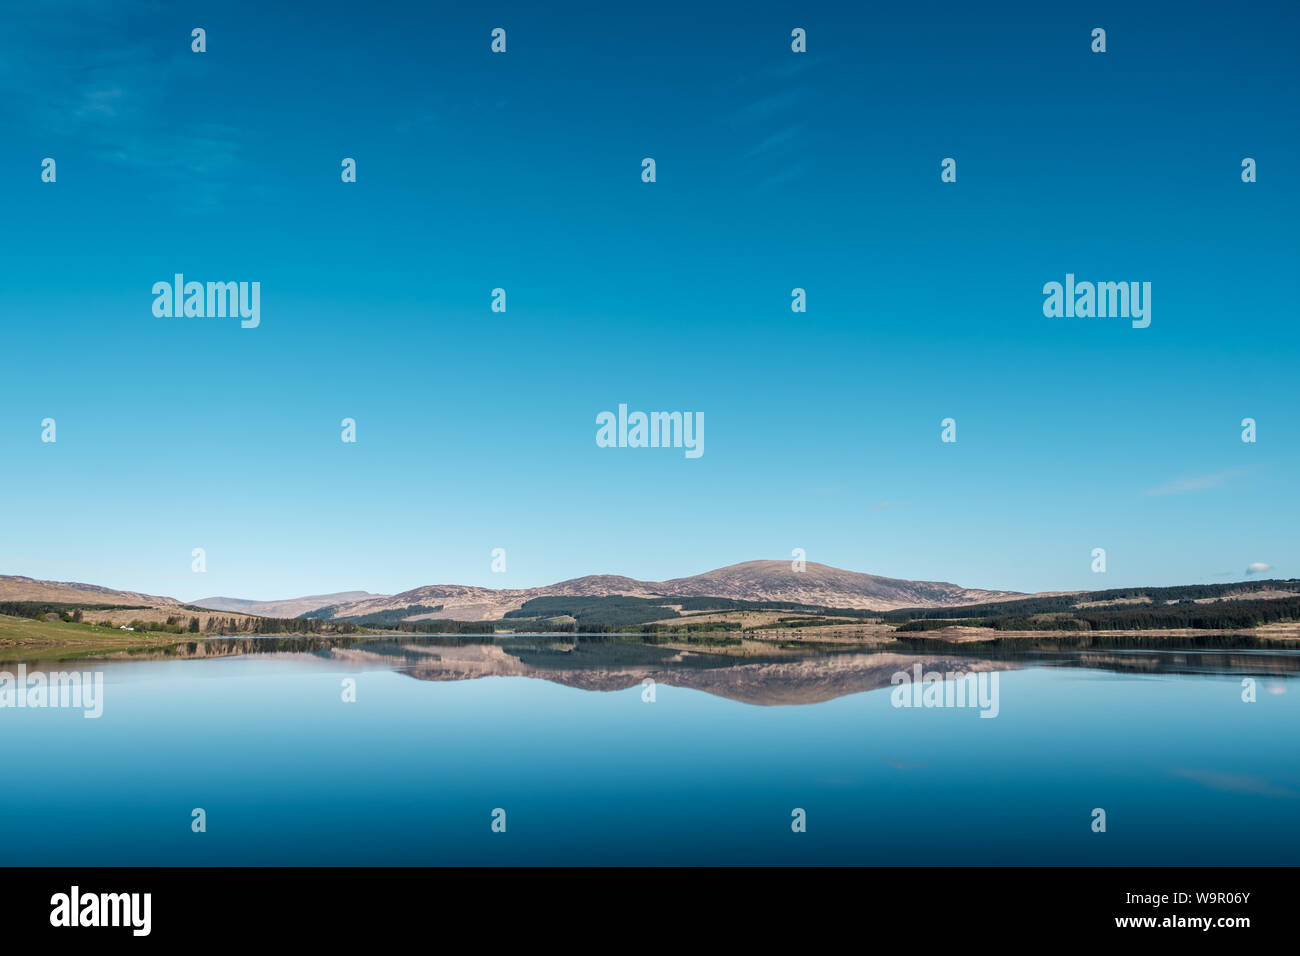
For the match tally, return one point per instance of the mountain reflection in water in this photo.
(753, 672)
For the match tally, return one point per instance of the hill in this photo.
(287, 607)
(768, 581)
(17, 588)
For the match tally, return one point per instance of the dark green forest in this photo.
(1172, 607)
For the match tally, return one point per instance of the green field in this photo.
(25, 639)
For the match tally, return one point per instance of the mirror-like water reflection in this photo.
(614, 750)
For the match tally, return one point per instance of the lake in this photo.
(707, 765)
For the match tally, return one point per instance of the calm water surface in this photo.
(558, 735)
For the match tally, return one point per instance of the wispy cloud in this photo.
(780, 178)
(767, 107)
(113, 97)
(100, 103)
(768, 110)
(901, 765)
(777, 140)
(1181, 486)
(1237, 783)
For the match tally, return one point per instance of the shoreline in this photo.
(24, 640)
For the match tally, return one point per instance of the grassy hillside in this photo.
(39, 630)
(23, 639)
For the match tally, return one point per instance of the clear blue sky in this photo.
(476, 430)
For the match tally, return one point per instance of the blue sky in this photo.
(775, 170)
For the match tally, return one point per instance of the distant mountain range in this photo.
(290, 607)
(817, 584)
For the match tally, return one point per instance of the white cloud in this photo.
(1199, 483)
